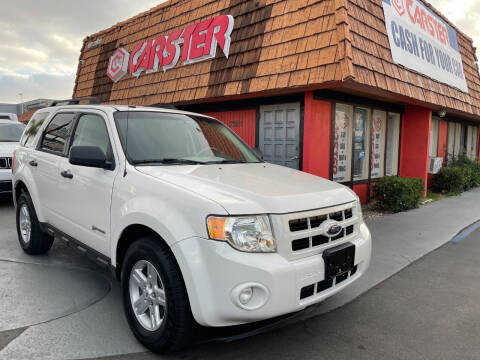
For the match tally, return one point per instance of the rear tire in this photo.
(33, 240)
(161, 318)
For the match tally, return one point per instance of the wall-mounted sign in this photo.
(196, 43)
(94, 43)
(379, 122)
(340, 146)
(422, 41)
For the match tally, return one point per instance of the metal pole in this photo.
(21, 100)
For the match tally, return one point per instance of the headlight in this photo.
(244, 233)
(359, 209)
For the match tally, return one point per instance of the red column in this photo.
(317, 126)
(414, 147)
(442, 140)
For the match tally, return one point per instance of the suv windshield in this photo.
(11, 132)
(163, 138)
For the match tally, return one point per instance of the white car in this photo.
(8, 116)
(192, 222)
(10, 134)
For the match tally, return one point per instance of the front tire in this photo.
(33, 240)
(155, 298)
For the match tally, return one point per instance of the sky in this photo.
(40, 40)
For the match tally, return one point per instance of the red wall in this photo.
(442, 140)
(415, 139)
(241, 121)
(317, 132)
(362, 191)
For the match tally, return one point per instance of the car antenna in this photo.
(126, 139)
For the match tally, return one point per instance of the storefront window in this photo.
(365, 141)
(451, 141)
(472, 142)
(393, 140)
(379, 128)
(434, 129)
(342, 143)
(462, 140)
(360, 144)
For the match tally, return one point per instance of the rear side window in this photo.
(57, 133)
(5, 117)
(32, 129)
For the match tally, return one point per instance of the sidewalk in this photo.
(400, 239)
(101, 329)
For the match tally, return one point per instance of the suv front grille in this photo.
(316, 221)
(5, 162)
(324, 285)
(314, 234)
(317, 240)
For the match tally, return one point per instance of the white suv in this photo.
(10, 133)
(190, 219)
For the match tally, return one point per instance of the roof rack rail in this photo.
(91, 101)
(166, 106)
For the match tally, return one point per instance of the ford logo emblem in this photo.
(334, 230)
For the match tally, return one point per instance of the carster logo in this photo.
(399, 5)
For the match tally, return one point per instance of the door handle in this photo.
(33, 163)
(67, 174)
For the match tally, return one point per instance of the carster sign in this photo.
(422, 41)
(196, 43)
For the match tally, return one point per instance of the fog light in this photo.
(250, 296)
(245, 295)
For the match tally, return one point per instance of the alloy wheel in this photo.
(25, 223)
(147, 295)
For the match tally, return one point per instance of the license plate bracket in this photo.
(339, 260)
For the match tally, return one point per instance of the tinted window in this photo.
(32, 129)
(57, 133)
(91, 131)
(11, 132)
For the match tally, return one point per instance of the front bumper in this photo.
(5, 186)
(213, 271)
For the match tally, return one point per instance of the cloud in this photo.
(40, 42)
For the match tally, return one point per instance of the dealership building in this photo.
(349, 90)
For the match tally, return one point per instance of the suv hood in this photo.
(6, 148)
(255, 188)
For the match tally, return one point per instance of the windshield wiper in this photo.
(167, 161)
(226, 161)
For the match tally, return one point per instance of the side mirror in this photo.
(258, 153)
(89, 156)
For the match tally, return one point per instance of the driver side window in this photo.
(92, 131)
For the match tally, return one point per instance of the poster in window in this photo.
(340, 146)
(378, 144)
(359, 148)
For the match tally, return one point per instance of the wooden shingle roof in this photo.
(277, 45)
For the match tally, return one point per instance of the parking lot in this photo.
(63, 306)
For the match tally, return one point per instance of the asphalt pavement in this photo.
(429, 310)
(62, 306)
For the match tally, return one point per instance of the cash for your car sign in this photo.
(422, 41)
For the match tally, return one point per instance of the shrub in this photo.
(452, 180)
(471, 170)
(395, 193)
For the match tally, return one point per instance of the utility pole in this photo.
(21, 100)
